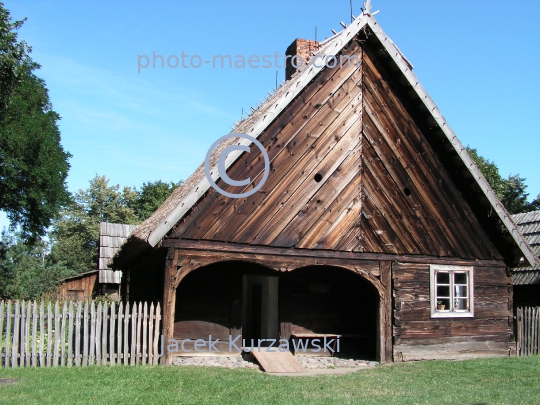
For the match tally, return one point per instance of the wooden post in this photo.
(169, 302)
(384, 343)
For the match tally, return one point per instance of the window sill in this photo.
(448, 314)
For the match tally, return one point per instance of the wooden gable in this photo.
(350, 171)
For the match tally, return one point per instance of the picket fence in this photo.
(528, 330)
(78, 334)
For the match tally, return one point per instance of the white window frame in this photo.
(451, 312)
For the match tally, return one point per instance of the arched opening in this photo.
(236, 301)
(225, 300)
(334, 301)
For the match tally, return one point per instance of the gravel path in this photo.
(309, 362)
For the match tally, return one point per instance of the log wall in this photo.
(417, 336)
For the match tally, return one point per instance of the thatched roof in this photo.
(152, 231)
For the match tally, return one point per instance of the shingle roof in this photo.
(152, 231)
(529, 226)
(111, 237)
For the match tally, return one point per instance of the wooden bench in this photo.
(302, 335)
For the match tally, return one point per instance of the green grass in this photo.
(485, 381)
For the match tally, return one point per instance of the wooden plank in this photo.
(144, 358)
(151, 317)
(99, 314)
(42, 334)
(423, 155)
(8, 335)
(56, 334)
(77, 355)
(104, 335)
(69, 359)
(28, 338)
(23, 336)
(92, 341)
(223, 247)
(299, 186)
(451, 327)
(138, 344)
(385, 313)
(2, 316)
(112, 330)
(156, 333)
(133, 343)
(392, 204)
(16, 334)
(277, 362)
(126, 334)
(433, 238)
(86, 335)
(302, 109)
(296, 146)
(34, 333)
(321, 201)
(458, 350)
(119, 332)
(63, 335)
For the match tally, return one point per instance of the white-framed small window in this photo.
(452, 291)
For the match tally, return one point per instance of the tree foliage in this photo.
(151, 196)
(24, 271)
(33, 164)
(510, 191)
(76, 232)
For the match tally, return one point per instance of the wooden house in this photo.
(81, 287)
(373, 224)
(526, 280)
(105, 280)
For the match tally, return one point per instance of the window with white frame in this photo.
(452, 291)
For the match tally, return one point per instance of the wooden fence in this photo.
(528, 330)
(78, 334)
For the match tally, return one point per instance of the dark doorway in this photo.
(260, 310)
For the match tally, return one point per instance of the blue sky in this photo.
(478, 59)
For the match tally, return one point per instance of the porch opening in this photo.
(329, 301)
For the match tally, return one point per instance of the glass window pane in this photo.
(443, 291)
(460, 278)
(460, 291)
(461, 304)
(443, 278)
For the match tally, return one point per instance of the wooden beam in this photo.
(169, 301)
(212, 246)
(385, 314)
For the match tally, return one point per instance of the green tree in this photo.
(24, 272)
(151, 196)
(76, 232)
(13, 55)
(33, 164)
(510, 191)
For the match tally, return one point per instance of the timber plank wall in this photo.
(419, 337)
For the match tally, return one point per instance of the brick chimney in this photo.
(300, 51)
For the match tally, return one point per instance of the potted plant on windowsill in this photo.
(440, 306)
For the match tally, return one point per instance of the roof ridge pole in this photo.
(367, 7)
